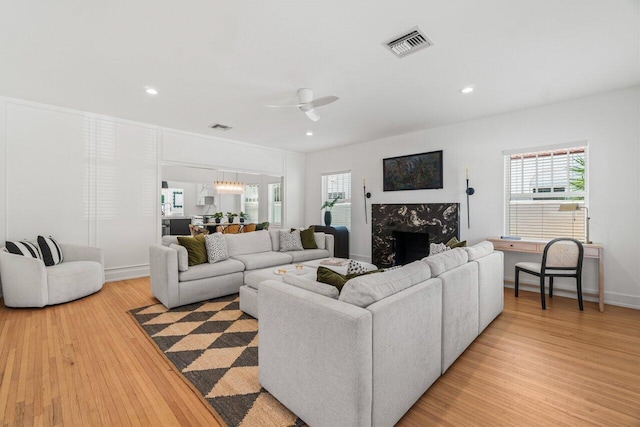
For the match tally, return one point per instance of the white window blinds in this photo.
(251, 202)
(338, 185)
(537, 183)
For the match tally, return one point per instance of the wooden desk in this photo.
(591, 250)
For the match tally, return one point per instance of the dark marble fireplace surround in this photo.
(440, 221)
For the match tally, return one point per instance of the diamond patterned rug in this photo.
(214, 346)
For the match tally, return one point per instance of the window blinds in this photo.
(536, 184)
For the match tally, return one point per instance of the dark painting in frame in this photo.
(413, 172)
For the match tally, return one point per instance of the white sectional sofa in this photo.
(247, 252)
(365, 358)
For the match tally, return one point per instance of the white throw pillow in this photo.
(436, 248)
(320, 240)
(24, 248)
(290, 241)
(183, 256)
(356, 267)
(216, 247)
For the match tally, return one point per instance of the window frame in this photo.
(342, 202)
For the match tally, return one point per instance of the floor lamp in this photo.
(565, 207)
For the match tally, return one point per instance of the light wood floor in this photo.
(86, 363)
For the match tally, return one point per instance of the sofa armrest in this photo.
(163, 264)
(329, 241)
(82, 253)
(315, 355)
(311, 286)
(24, 281)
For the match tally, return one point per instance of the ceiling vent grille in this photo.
(218, 126)
(410, 42)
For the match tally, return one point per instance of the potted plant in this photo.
(217, 217)
(243, 216)
(230, 216)
(327, 205)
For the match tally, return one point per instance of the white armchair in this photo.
(26, 282)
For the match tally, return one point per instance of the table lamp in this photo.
(565, 207)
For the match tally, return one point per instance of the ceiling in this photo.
(223, 61)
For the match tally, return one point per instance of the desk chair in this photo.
(561, 258)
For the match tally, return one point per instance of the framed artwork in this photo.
(413, 172)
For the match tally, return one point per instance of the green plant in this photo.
(329, 204)
(243, 215)
(231, 215)
(218, 215)
(577, 183)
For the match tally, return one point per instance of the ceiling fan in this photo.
(307, 104)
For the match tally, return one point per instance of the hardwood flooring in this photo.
(86, 363)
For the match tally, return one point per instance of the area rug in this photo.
(214, 346)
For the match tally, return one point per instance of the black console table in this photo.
(341, 239)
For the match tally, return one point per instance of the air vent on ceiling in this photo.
(412, 41)
(218, 126)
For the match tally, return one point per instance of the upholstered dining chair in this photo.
(562, 257)
(231, 229)
(249, 228)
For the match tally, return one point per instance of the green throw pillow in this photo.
(307, 237)
(333, 278)
(196, 248)
(454, 243)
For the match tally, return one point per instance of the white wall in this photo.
(95, 180)
(610, 124)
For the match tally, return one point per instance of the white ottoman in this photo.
(252, 280)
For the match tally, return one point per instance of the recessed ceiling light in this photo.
(468, 89)
(309, 133)
(151, 91)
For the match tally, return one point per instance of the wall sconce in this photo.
(469, 191)
(566, 207)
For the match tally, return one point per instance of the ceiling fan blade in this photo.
(323, 101)
(284, 105)
(313, 115)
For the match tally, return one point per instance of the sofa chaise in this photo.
(363, 358)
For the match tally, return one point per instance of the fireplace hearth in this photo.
(434, 222)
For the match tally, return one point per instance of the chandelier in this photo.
(229, 187)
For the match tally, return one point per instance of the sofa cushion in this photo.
(71, 280)
(203, 271)
(263, 259)
(196, 248)
(216, 248)
(446, 261)
(248, 243)
(275, 240)
(50, 251)
(365, 290)
(311, 285)
(307, 236)
(168, 240)
(308, 254)
(183, 256)
(479, 250)
(290, 241)
(24, 248)
(320, 240)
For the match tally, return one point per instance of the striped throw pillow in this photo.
(51, 252)
(24, 248)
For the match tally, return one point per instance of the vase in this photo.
(241, 219)
(230, 220)
(217, 220)
(327, 218)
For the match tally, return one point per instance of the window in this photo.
(250, 200)
(537, 184)
(338, 185)
(275, 203)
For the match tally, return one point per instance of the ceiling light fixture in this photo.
(229, 187)
(309, 133)
(467, 89)
(151, 91)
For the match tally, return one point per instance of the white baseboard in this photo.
(612, 298)
(124, 273)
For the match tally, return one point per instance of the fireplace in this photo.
(409, 246)
(435, 222)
